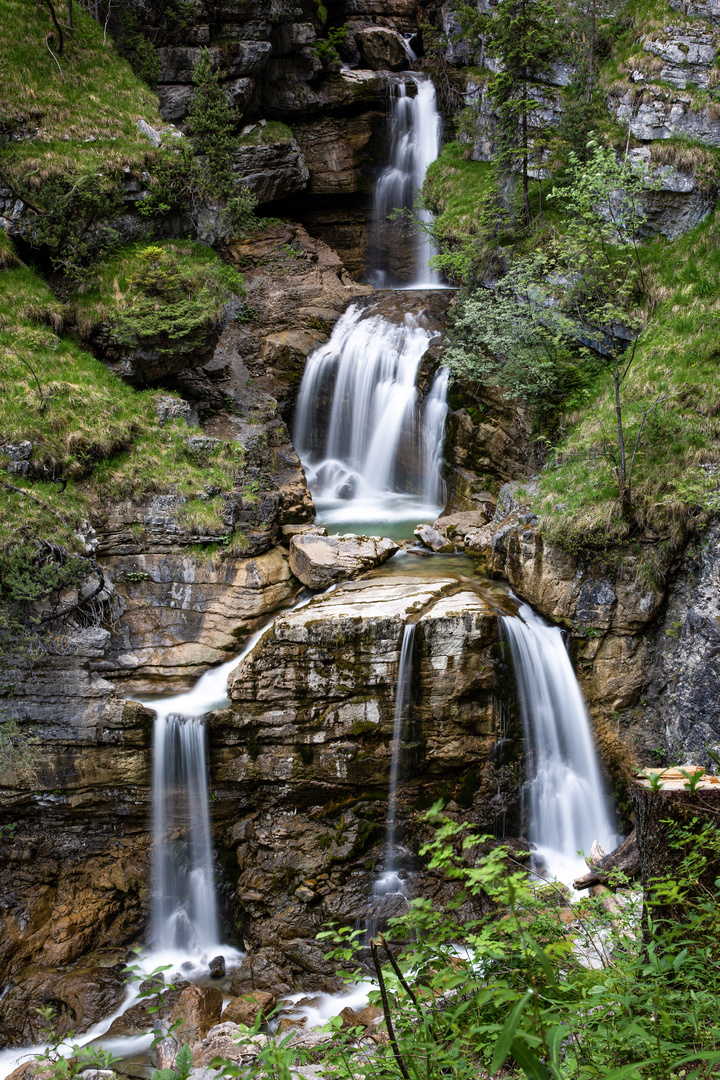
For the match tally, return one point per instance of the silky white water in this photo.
(184, 908)
(390, 882)
(414, 136)
(371, 451)
(567, 805)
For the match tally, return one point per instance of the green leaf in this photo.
(507, 1035)
(528, 1061)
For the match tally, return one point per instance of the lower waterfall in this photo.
(184, 911)
(371, 452)
(567, 807)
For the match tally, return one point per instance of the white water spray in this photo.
(415, 132)
(568, 805)
(369, 451)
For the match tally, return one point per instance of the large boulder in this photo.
(319, 561)
(198, 1009)
(382, 49)
(80, 999)
(246, 1009)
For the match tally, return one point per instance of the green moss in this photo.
(85, 425)
(171, 291)
(271, 132)
(94, 97)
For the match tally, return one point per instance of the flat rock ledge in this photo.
(320, 561)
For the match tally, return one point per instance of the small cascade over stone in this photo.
(390, 882)
(567, 807)
(400, 257)
(184, 907)
(370, 450)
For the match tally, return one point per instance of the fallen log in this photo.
(624, 859)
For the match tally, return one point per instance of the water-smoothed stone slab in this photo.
(319, 561)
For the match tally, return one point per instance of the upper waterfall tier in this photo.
(399, 254)
(371, 450)
(568, 808)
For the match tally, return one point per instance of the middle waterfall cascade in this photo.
(390, 882)
(568, 805)
(415, 132)
(368, 451)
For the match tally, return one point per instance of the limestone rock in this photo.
(246, 1009)
(80, 999)
(433, 539)
(198, 1009)
(137, 1019)
(319, 561)
(382, 49)
(272, 171)
(227, 1040)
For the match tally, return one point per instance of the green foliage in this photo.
(327, 48)
(140, 53)
(508, 986)
(170, 294)
(32, 580)
(183, 1066)
(524, 35)
(197, 175)
(64, 1059)
(81, 120)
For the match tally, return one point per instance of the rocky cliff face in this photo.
(303, 754)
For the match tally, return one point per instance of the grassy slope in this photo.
(85, 425)
(95, 97)
(678, 464)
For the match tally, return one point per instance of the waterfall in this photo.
(389, 882)
(414, 137)
(184, 911)
(369, 452)
(184, 906)
(567, 806)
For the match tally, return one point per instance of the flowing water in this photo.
(399, 256)
(371, 451)
(567, 806)
(390, 882)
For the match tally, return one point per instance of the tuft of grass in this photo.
(272, 132)
(149, 284)
(86, 426)
(454, 188)
(83, 115)
(677, 471)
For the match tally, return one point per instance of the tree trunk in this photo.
(624, 859)
(657, 814)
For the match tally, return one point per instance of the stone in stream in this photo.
(320, 561)
(246, 1009)
(198, 1009)
(80, 999)
(433, 539)
(217, 967)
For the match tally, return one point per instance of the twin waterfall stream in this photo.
(371, 443)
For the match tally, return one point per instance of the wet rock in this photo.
(80, 999)
(227, 1040)
(433, 539)
(138, 1019)
(456, 526)
(382, 49)
(198, 1009)
(217, 967)
(246, 1009)
(165, 1052)
(318, 561)
(363, 1018)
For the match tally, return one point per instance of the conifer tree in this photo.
(524, 37)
